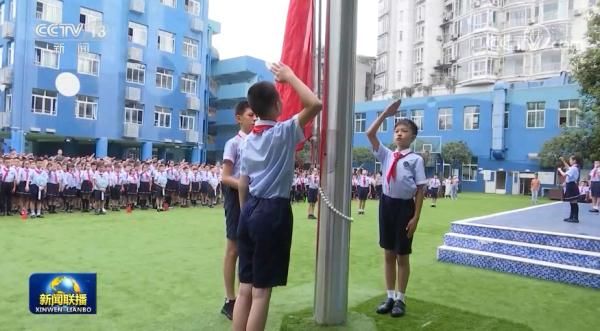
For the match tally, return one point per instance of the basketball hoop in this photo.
(425, 155)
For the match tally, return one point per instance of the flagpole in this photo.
(331, 285)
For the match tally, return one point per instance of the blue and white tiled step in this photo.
(578, 242)
(522, 266)
(566, 256)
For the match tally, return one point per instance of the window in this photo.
(535, 114)
(471, 120)
(190, 48)
(86, 107)
(418, 52)
(480, 68)
(548, 60)
(381, 65)
(193, 7)
(12, 6)
(569, 113)
(47, 10)
(400, 36)
(88, 63)
(46, 55)
(169, 3)
(420, 32)
(2, 12)
(134, 112)
(137, 33)
(399, 116)
(162, 117)
(418, 76)
(469, 172)
(187, 121)
(383, 24)
(550, 9)
(164, 78)
(43, 102)
(166, 41)
(360, 120)
(383, 127)
(91, 20)
(479, 21)
(7, 100)
(382, 43)
(420, 13)
(506, 115)
(380, 83)
(513, 65)
(11, 53)
(136, 73)
(188, 83)
(445, 119)
(417, 117)
(399, 75)
(1, 56)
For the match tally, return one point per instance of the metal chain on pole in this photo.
(331, 207)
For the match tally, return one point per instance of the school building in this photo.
(229, 82)
(504, 128)
(117, 78)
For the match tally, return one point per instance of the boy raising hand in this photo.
(266, 174)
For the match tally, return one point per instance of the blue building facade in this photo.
(117, 78)
(230, 81)
(504, 128)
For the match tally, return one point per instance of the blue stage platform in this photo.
(533, 242)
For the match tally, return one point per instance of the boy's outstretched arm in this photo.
(372, 131)
(312, 105)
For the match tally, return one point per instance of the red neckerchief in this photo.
(259, 129)
(392, 172)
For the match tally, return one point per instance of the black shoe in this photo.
(567, 220)
(227, 309)
(594, 210)
(40, 216)
(399, 309)
(386, 306)
(573, 220)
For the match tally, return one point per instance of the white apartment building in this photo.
(445, 46)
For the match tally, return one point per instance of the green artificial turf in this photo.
(163, 271)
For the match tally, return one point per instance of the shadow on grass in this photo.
(420, 315)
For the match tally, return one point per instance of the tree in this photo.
(586, 65)
(456, 152)
(362, 155)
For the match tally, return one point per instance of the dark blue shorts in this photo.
(264, 242)
(363, 193)
(595, 189)
(571, 192)
(394, 215)
(312, 195)
(232, 212)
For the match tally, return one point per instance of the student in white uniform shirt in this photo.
(38, 179)
(53, 188)
(9, 185)
(101, 182)
(434, 187)
(364, 188)
(313, 193)
(160, 184)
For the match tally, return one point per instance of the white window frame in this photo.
(166, 41)
(13, 9)
(49, 56)
(135, 73)
(189, 84)
(185, 119)
(418, 75)
(571, 110)
(93, 20)
(47, 98)
(88, 63)
(471, 115)
(164, 78)
(473, 170)
(399, 75)
(51, 10)
(2, 7)
(384, 125)
(537, 111)
(162, 115)
(137, 33)
(445, 118)
(11, 52)
(86, 107)
(133, 110)
(169, 3)
(402, 114)
(8, 100)
(190, 48)
(418, 53)
(360, 122)
(383, 24)
(193, 7)
(418, 116)
(1, 56)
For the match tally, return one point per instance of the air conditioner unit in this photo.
(494, 2)
(532, 21)
(439, 38)
(577, 12)
(476, 3)
(454, 36)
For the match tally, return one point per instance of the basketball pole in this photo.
(331, 285)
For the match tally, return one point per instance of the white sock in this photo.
(39, 212)
(400, 296)
(390, 294)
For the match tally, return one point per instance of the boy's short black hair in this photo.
(409, 123)
(241, 107)
(262, 97)
(578, 160)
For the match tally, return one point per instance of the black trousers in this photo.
(6, 197)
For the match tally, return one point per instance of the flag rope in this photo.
(332, 208)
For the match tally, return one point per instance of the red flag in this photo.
(297, 54)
